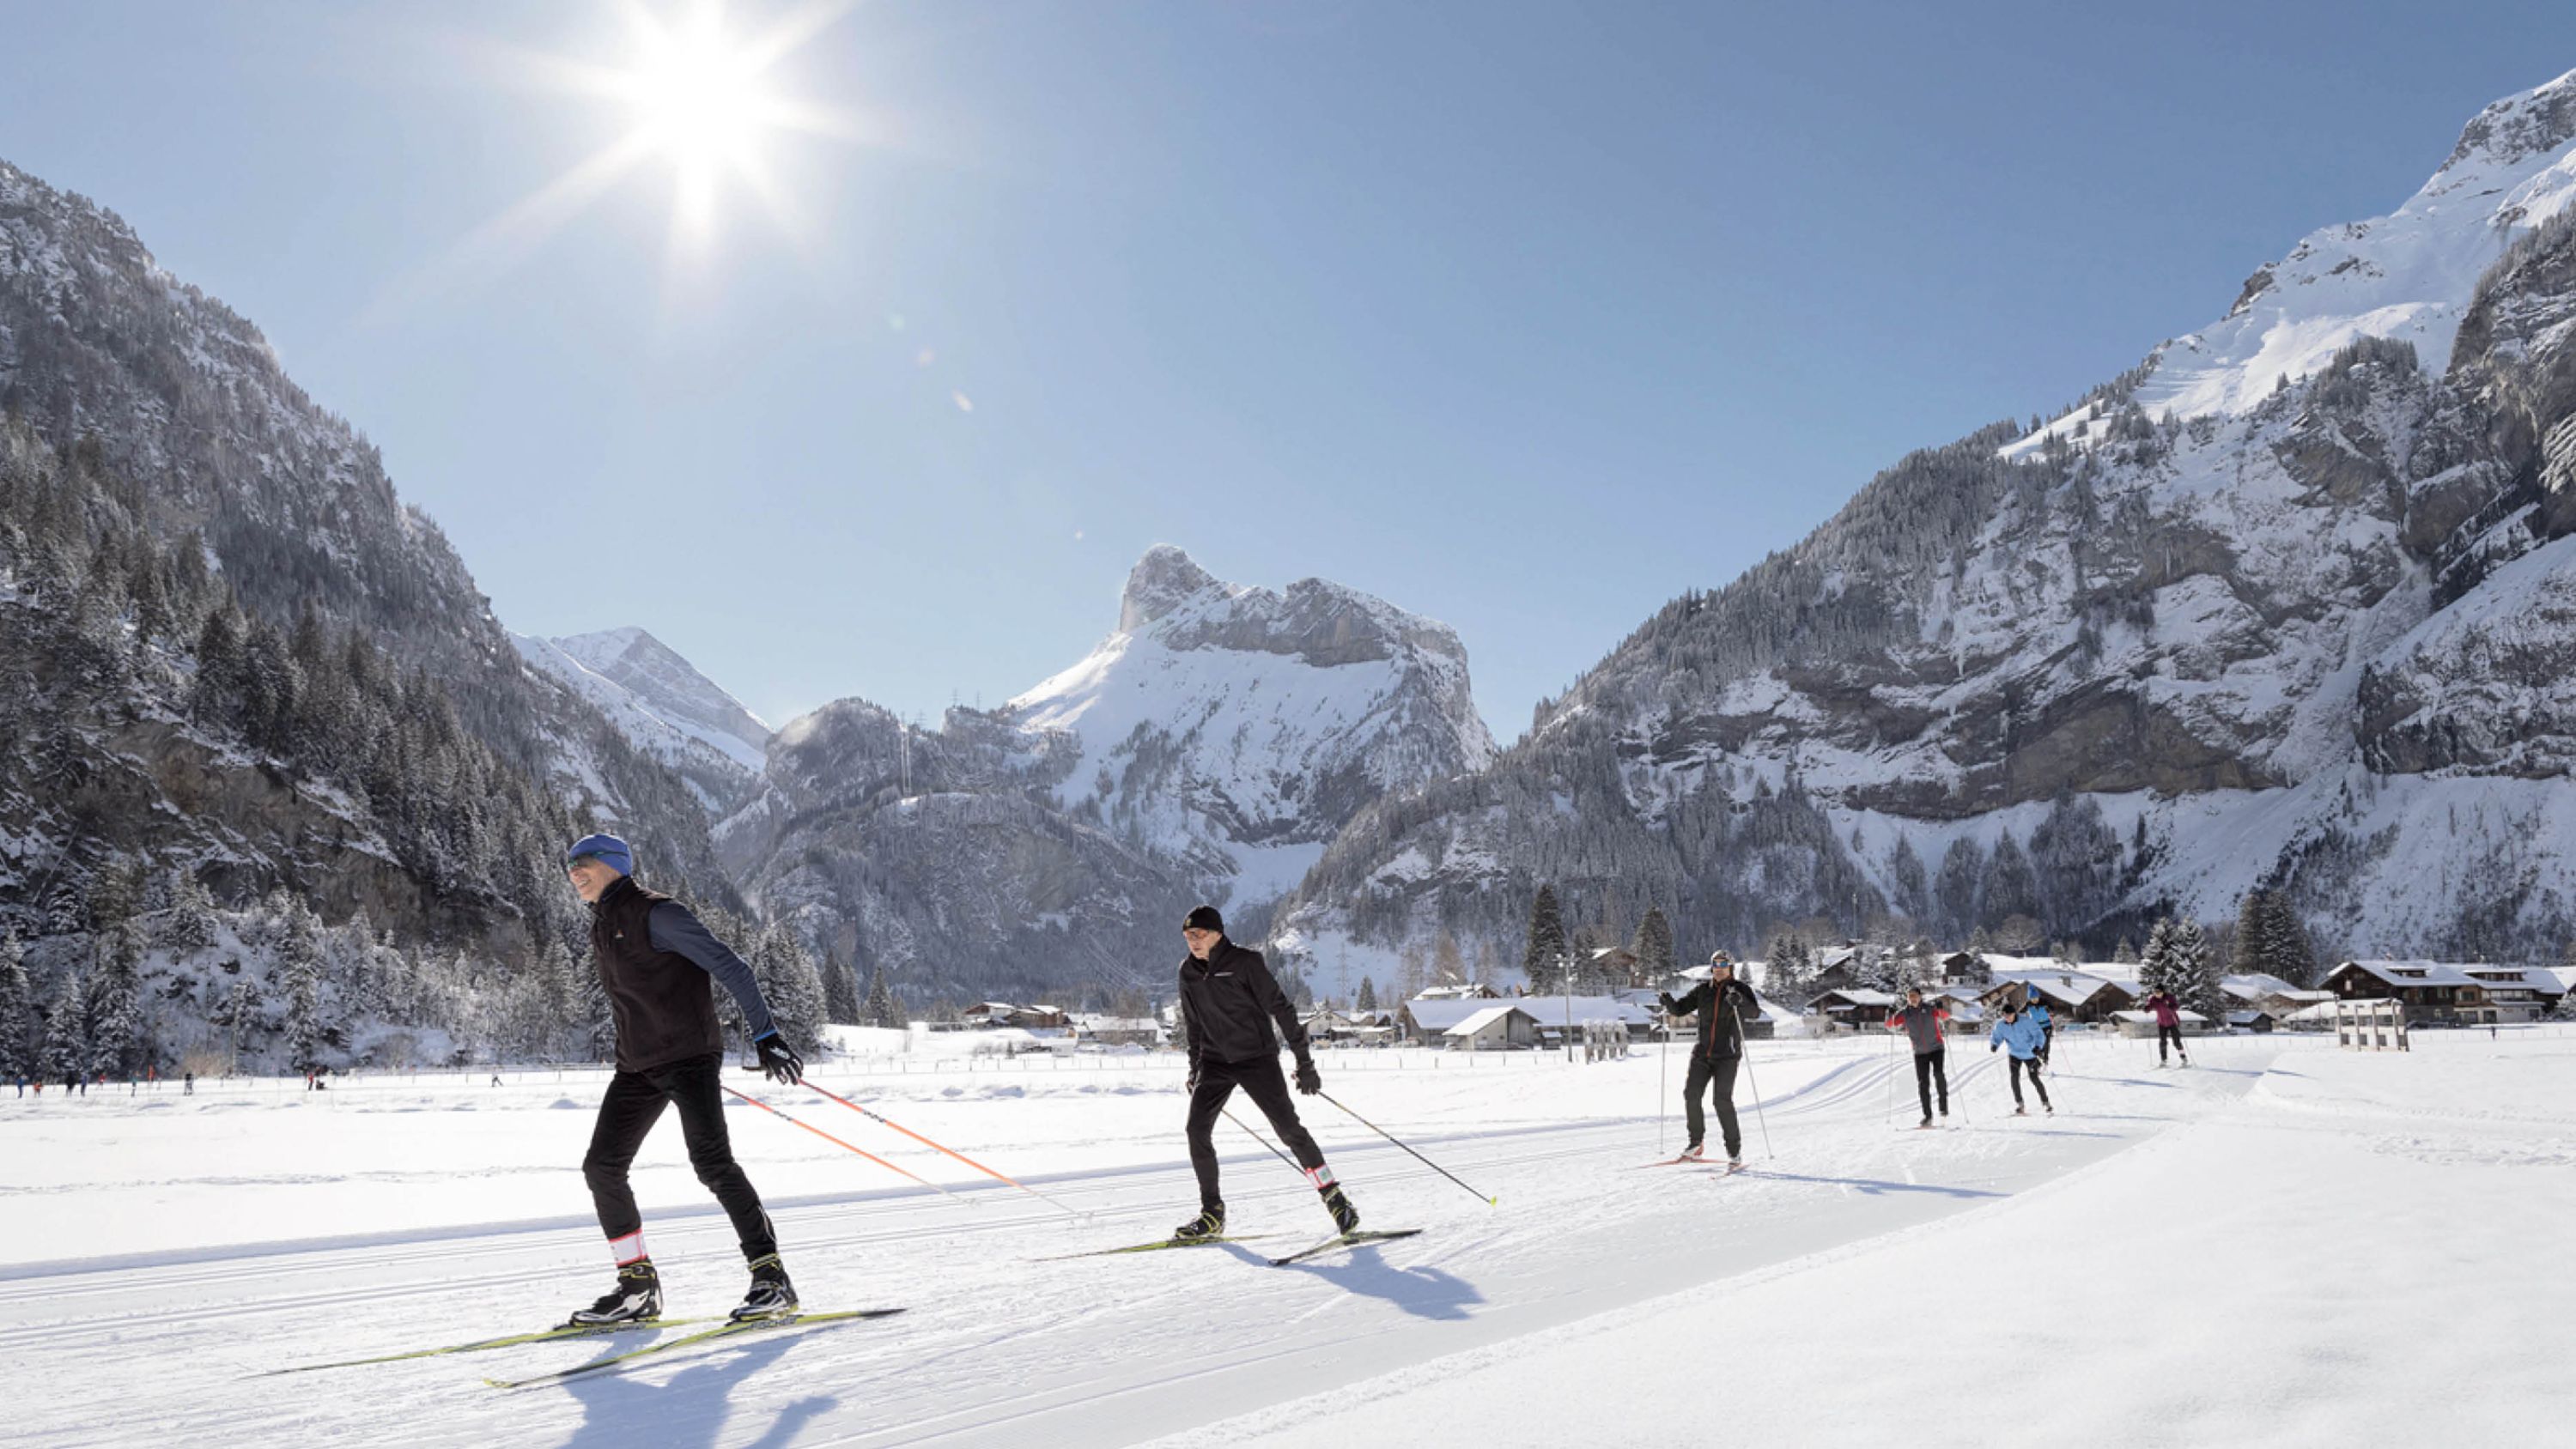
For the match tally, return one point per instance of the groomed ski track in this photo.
(997, 1347)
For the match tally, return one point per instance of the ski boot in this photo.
(1734, 1165)
(771, 1295)
(1346, 1218)
(637, 1299)
(1692, 1153)
(1209, 1223)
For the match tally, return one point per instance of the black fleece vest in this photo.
(664, 1003)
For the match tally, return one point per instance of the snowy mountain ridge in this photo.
(1239, 727)
(663, 704)
(2197, 636)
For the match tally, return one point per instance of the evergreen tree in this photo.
(1542, 959)
(17, 1010)
(2155, 965)
(299, 959)
(2290, 956)
(879, 1010)
(841, 994)
(1654, 946)
(66, 1034)
(793, 988)
(1955, 888)
(1368, 994)
(2127, 954)
(2251, 951)
(114, 1046)
(189, 923)
(2012, 888)
(2197, 972)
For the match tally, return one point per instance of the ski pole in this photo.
(1425, 1161)
(926, 1142)
(1663, 1089)
(1747, 1043)
(1890, 1093)
(835, 1141)
(1257, 1137)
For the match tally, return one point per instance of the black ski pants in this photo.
(1930, 1067)
(2036, 1085)
(1718, 1078)
(1267, 1086)
(633, 1104)
(2170, 1037)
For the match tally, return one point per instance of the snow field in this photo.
(162, 1251)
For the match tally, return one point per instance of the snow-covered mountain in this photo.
(1205, 751)
(1241, 728)
(2287, 604)
(663, 705)
(238, 661)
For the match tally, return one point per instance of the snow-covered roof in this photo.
(2144, 1017)
(2061, 987)
(1439, 1013)
(2253, 984)
(1559, 1010)
(2444, 973)
(1858, 996)
(1478, 1021)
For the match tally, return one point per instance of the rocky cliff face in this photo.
(663, 706)
(1205, 751)
(2282, 605)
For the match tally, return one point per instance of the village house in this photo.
(2443, 993)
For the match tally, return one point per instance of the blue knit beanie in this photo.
(607, 848)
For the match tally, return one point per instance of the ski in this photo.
(1682, 1161)
(547, 1335)
(1343, 1240)
(619, 1363)
(1155, 1247)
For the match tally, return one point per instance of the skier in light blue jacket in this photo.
(2021, 1034)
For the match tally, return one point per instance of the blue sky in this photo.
(1526, 317)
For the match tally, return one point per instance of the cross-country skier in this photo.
(2168, 1014)
(1228, 1001)
(1721, 1004)
(2038, 1012)
(1922, 1025)
(2021, 1035)
(659, 964)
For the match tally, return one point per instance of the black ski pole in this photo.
(1257, 1137)
(1425, 1161)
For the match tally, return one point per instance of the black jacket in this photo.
(1721, 1033)
(1227, 1004)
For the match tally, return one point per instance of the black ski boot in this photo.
(637, 1299)
(1209, 1223)
(771, 1295)
(1346, 1218)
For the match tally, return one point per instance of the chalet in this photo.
(1616, 965)
(1492, 1026)
(2261, 992)
(2438, 991)
(1556, 1016)
(990, 1014)
(1117, 1030)
(1354, 1026)
(1471, 991)
(1426, 1018)
(1852, 1008)
(2069, 994)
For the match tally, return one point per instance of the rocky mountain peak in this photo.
(1163, 580)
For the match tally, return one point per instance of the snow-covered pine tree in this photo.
(2155, 965)
(66, 1049)
(2126, 954)
(2291, 957)
(189, 923)
(794, 989)
(1543, 956)
(841, 994)
(299, 959)
(2197, 973)
(1448, 963)
(1654, 945)
(879, 1010)
(17, 1011)
(115, 1048)
(1368, 994)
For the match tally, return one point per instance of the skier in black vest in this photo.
(1721, 1003)
(1228, 1001)
(658, 964)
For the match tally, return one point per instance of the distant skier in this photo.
(2038, 1011)
(2021, 1035)
(189, 1087)
(658, 964)
(2168, 1014)
(1229, 1000)
(1922, 1025)
(1720, 1003)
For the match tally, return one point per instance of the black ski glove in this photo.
(778, 1060)
(1671, 1007)
(1309, 1081)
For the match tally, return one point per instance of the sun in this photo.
(702, 101)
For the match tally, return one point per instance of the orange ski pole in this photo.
(882, 1121)
(835, 1141)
